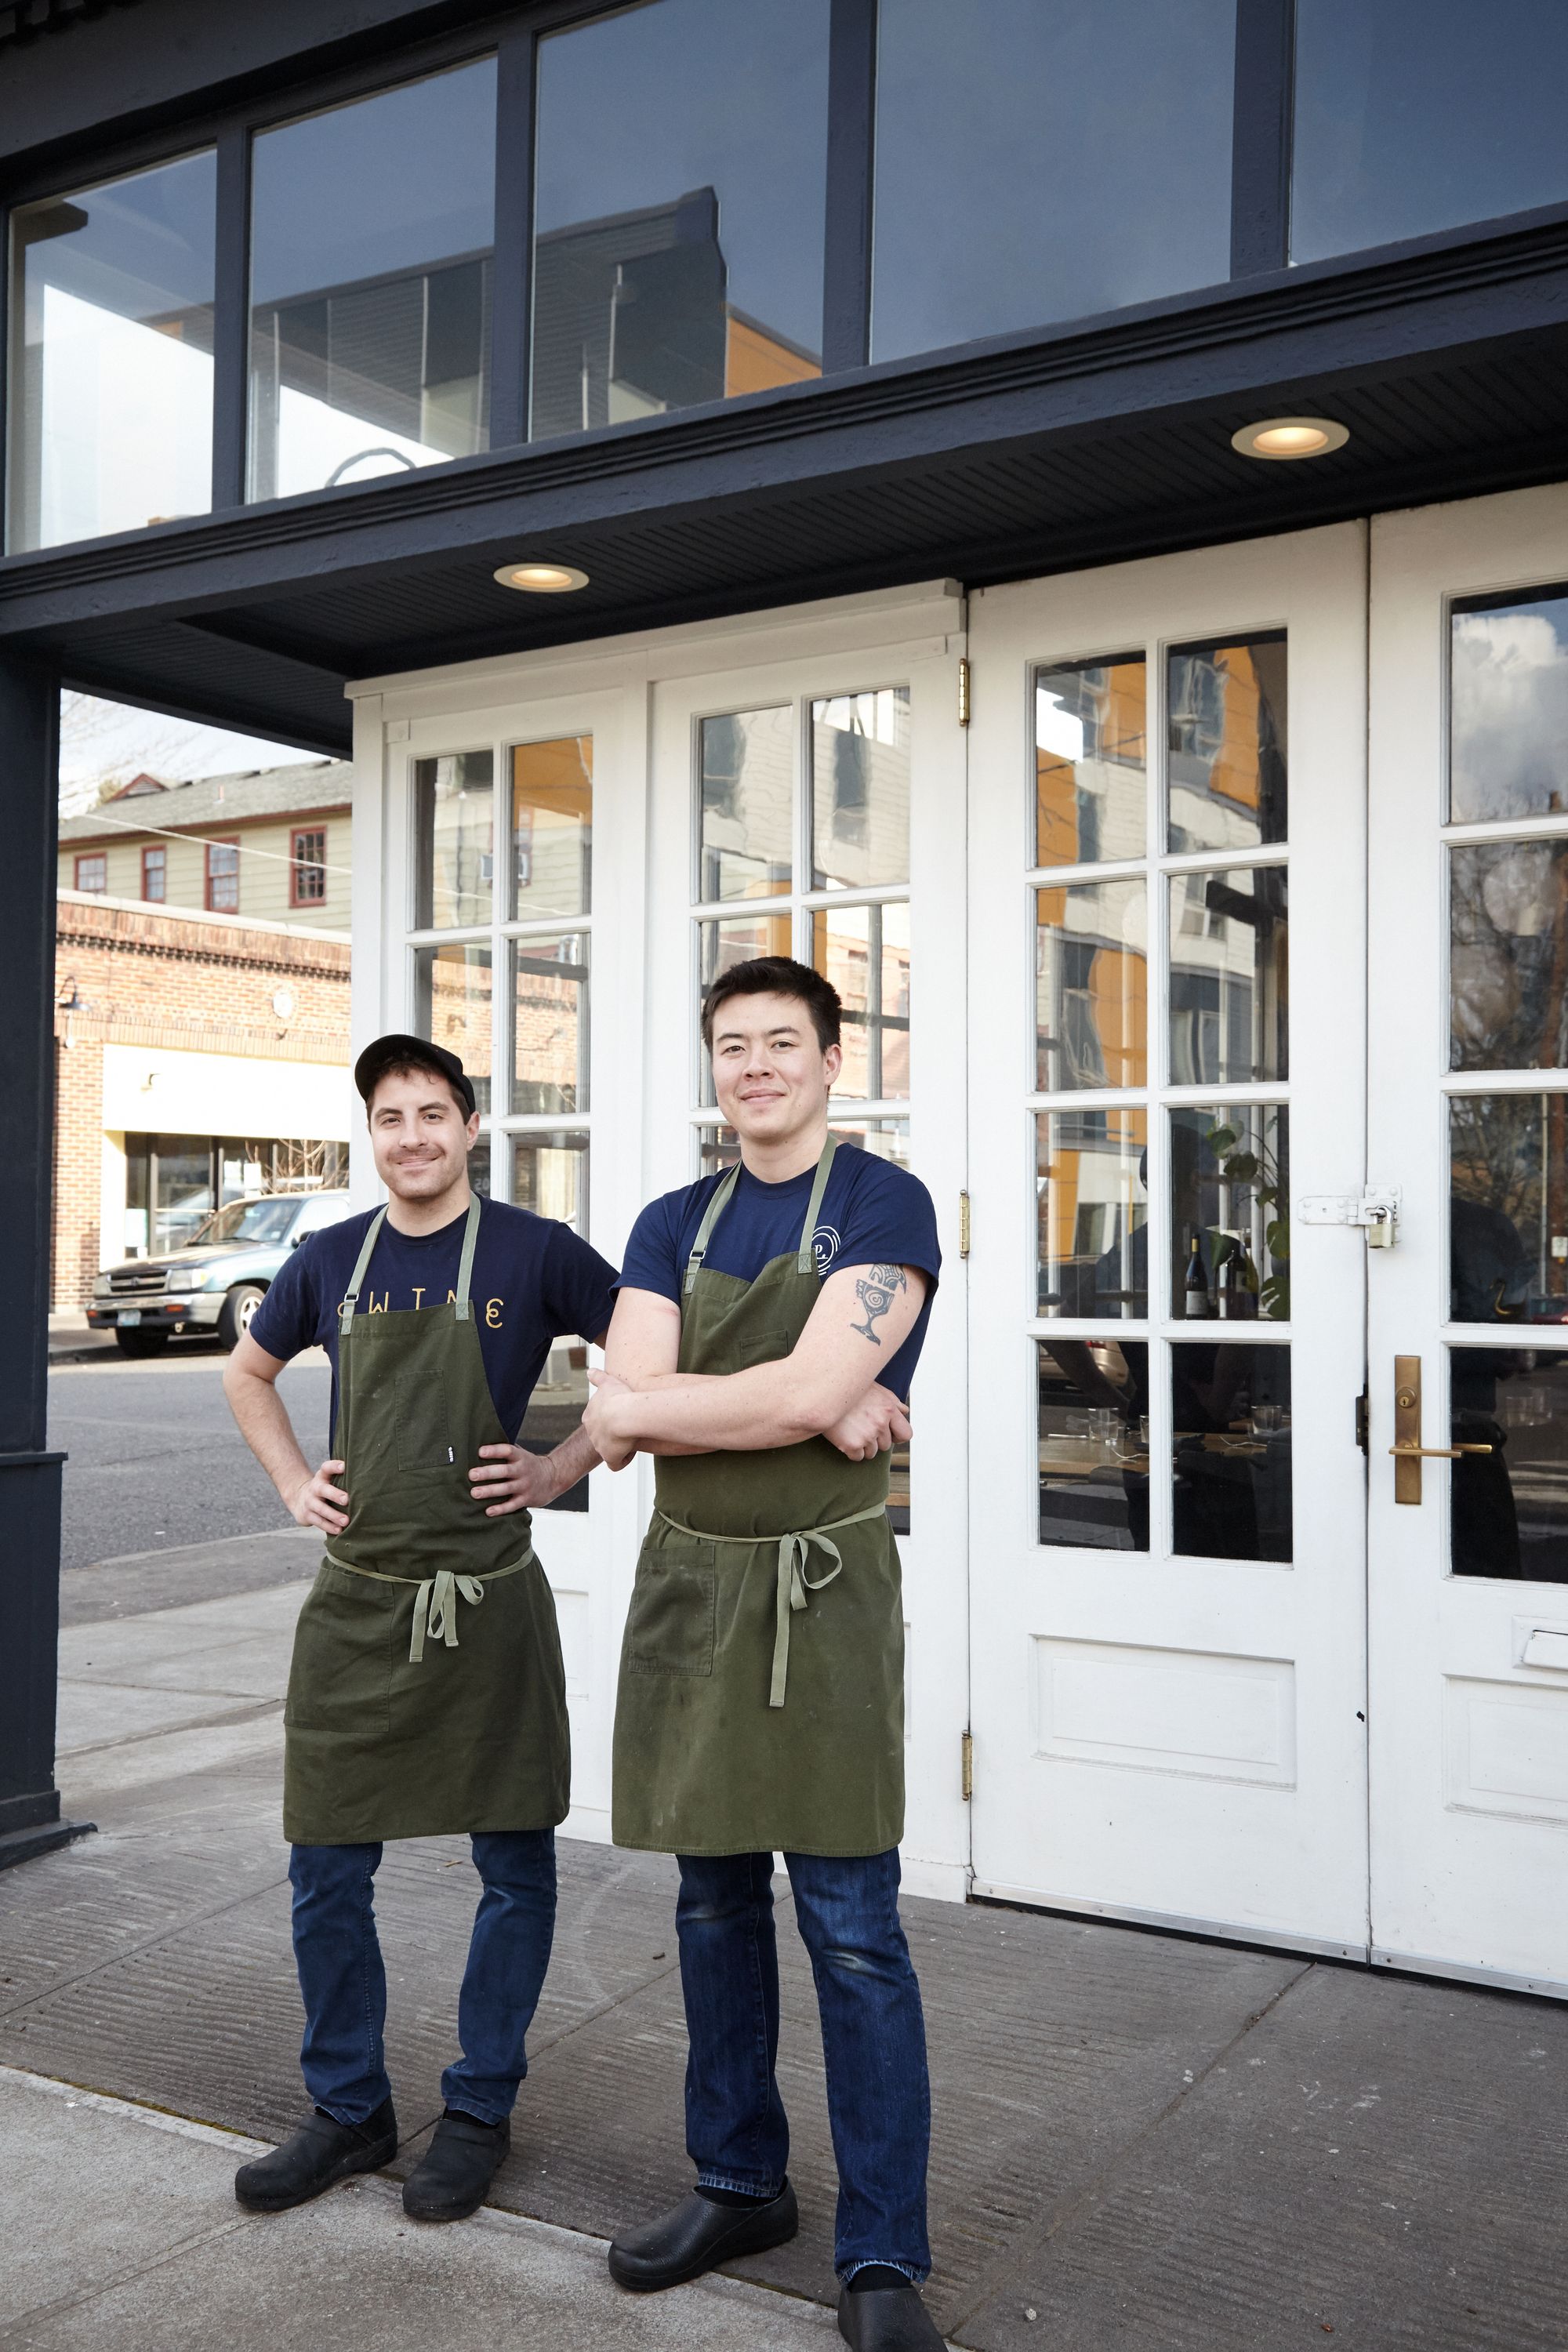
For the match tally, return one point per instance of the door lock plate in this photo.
(1376, 1209)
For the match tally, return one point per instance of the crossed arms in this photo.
(827, 1385)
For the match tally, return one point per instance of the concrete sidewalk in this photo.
(1141, 2142)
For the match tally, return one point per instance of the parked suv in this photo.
(218, 1281)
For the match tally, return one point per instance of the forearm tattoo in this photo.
(874, 1291)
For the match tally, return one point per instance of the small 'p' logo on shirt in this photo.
(826, 1244)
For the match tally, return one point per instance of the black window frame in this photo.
(1259, 232)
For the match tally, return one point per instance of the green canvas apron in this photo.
(761, 1705)
(426, 1694)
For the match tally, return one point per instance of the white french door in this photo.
(1166, 1026)
(1469, 1313)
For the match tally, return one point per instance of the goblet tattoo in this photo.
(874, 1291)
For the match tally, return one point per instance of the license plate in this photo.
(128, 1317)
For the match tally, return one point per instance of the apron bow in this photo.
(793, 1587)
(436, 1610)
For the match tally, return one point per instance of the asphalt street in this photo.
(155, 1461)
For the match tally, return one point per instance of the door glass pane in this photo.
(182, 1199)
(1230, 1213)
(1413, 116)
(1226, 720)
(370, 236)
(452, 1008)
(861, 789)
(550, 1176)
(454, 815)
(480, 1167)
(552, 827)
(550, 1024)
(1092, 1207)
(1229, 976)
(1509, 1515)
(1094, 1444)
(1508, 911)
(112, 339)
(1092, 986)
(1508, 707)
(555, 1409)
(865, 952)
(1231, 1417)
(682, 160)
(1090, 762)
(1038, 163)
(1507, 1230)
(748, 800)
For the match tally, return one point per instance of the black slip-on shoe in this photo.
(449, 2180)
(888, 2319)
(322, 2150)
(699, 2235)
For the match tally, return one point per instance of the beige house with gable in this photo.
(272, 845)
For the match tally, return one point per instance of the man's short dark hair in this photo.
(777, 976)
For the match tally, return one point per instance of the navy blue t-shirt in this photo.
(872, 1213)
(534, 1281)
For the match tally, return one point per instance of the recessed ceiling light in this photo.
(1290, 436)
(541, 579)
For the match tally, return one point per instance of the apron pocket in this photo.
(749, 1348)
(424, 1429)
(669, 1627)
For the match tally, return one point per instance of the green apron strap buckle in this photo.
(716, 1207)
(351, 1297)
(436, 1610)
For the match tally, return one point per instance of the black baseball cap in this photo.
(386, 1052)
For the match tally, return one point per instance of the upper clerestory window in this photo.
(111, 346)
(371, 246)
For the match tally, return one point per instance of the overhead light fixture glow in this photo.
(1290, 436)
(541, 579)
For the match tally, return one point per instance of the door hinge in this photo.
(964, 1224)
(1364, 1422)
(967, 1766)
(964, 689)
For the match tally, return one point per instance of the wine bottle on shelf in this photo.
(1228, 1280)
(1195, 1289)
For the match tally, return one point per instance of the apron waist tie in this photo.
(435, 1597)
(794, 1584)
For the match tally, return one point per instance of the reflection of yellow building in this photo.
(756, 358)
(1090, 763)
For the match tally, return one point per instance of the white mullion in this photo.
(471, 935)
(1051, 878)
(1503, 830)
(1206, 861)
(555, 926)
(545, 1122)
(1090, 1099)
(868, 894)
(1261, 1094)
(724, 910)
(800, 878)
(1503, 1082)
(1159, 1247)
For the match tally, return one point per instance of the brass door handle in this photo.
(1438, 1453)
(1407, 1449)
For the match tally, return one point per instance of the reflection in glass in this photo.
(1090, 762)
(1508, 707)
(865, 952)
(552, 827)
(1092, 986)
(1509, 1515)
(1413, 116)
(452, 1008)
(1231, 1418)
(1094, 1444)
(550, 1024)
(1508, 1231)
(885, 1138)
(1230, 1213)
(682, 158)
(480, 1167)
(1228, 743)
(748, 799)
(454, 818)
(550, 1176)
(370, 238)
(861, 789)
(1507, 913)
(111, 337)
(1051, 162)
(730, 940)
(1229, 976)
(1092, 1208)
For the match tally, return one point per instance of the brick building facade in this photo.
(182, 1026)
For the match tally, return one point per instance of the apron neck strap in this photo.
(351, 1297)
(466, 1263)
(718, 1202)
(806, 1258)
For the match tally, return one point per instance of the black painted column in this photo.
(30, 1475)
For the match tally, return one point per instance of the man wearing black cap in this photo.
(439, 1311)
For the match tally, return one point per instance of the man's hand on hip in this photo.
(319, 1503)
(874, 1425)
(510, 1478)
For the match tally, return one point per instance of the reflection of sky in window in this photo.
(640, 109)
(1036, 163)
(1509, 711)
(1416, 115)
(146, 246)
(1057, 729)
(398, 180)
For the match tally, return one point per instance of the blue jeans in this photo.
(873, 2042)
(343, 1983)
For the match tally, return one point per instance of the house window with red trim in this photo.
(223, 878)
(92, 871)
(155, 874)
(308, 868)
